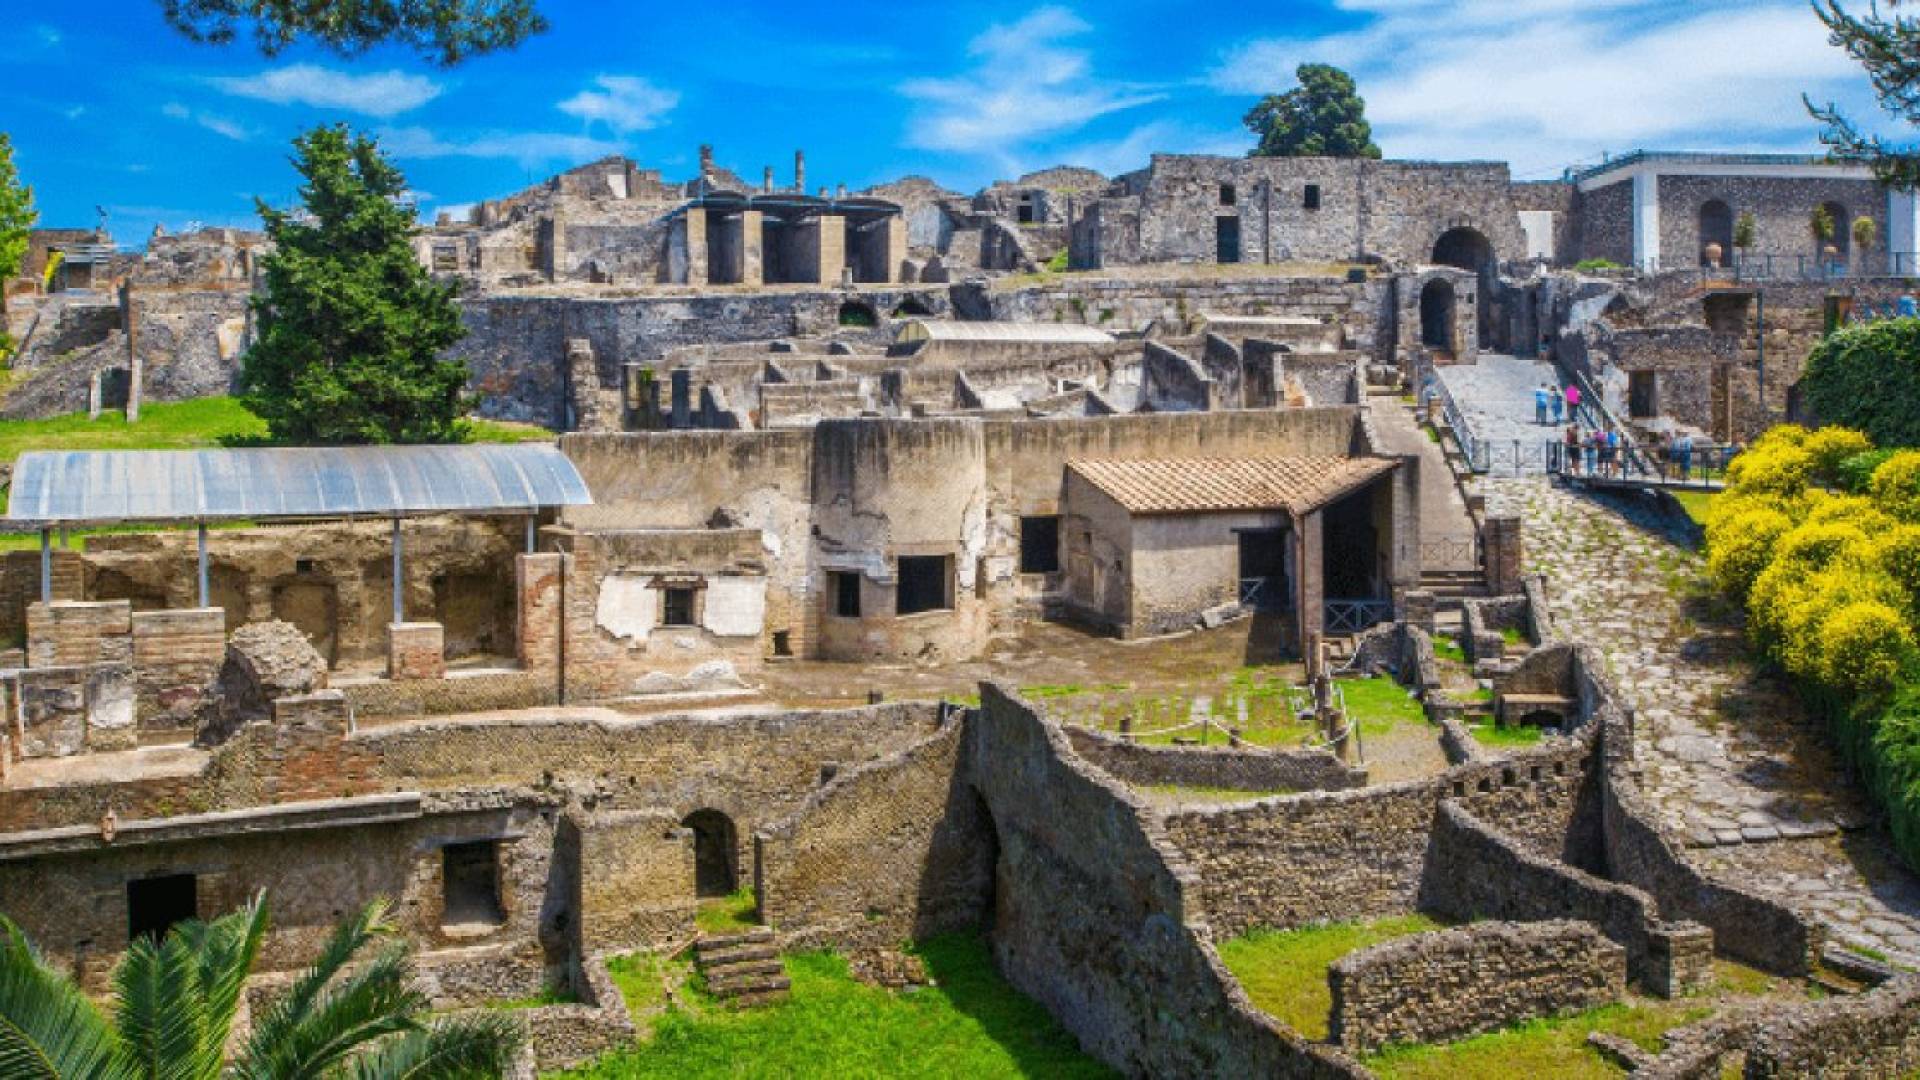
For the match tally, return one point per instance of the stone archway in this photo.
(1437, 316)
(716, 852)
(1466, 248)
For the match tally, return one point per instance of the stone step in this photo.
(755, 1000)
(760, 935)
(742, 954)
(745, 985)
(746, 969)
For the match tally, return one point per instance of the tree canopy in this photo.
(352, 330)
(443, 31)
(17, 217)
(1322, 117)
(1888, 46)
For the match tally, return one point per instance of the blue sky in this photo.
(109, 107)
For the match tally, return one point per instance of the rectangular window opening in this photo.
(1039, 545)
(846, 593)
(925, 583)
(155, 905)
(676, 606)
(1228, 196)
(470, 882)
(1312, 200)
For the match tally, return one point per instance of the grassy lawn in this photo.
(1697, 504)
(970, 1024)
(1446, 648)
(1556, 1048)
(1285, 971)
(1493, 736)
(730, 914)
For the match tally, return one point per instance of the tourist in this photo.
(1540, 395)
(1907, 307)
(1558, 406)
(1573, 402)
(1610, 453)
(1573, 448)
(1594, 443)
(1683, 453)
(1663, 453)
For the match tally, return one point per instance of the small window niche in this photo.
(844, 586)
(156, 904)
(924, 583)
(1312, 198)
(470, 884)
(676, 605)
(1228, 196)
(1039, 544)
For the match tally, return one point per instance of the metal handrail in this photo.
(1471, 447)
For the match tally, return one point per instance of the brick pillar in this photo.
(1417, 608)
(753, 244)
(416, 650)
(1680, 958)
(896, 228)
(687, 248)
(832, 249)
(537, 593)
(1501, 546)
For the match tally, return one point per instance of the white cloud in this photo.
(622, 102)
(379, 93)
(526, 147)
(1024, 84)
(214, 122)
(48, 36)
(1553, 82)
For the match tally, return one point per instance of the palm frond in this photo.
(48, 1028)
(276, 1024)
(225, 955)
(453, 1049)
(158, 1007)
(369, 1004)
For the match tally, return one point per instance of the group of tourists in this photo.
(1599, 449)
(1551, 405)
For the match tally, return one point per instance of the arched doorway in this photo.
(716, 852)
(1436, 315)
(1842, 237)
(1467, 248)
(1716, 227)
(853, 313)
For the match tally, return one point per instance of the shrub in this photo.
(1593, 266)
(1740, 544)
(1830, 446)
(1896, 485)
(1858, 511)
(1856, 472)
(1864, 646)
(1777, 468)
(1868, 378)
(1897, 553)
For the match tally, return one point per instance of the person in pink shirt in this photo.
(1573, 400)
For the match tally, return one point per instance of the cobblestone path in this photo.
(1736, 767)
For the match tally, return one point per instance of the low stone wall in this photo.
(462, 692)
(1452, 983)
(1221, 767)
(1484, 619)
(562, 1036)
(890, 851)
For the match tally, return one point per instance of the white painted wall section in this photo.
(736, 606)
(629, 607)
(1646, 220)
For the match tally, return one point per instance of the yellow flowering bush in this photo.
(1774, 469)
(1864, 646)
(1740, 545)
(1830, 446)
(1896, 485)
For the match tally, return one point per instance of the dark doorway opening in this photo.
(716, 850)
(676, 606)
(1436, 315)
(155, 905)
(1351, 550)
(925, 583)
(1643, 394)
(845, 586)
(1842, 238)
(1039, 545)
(1226, 238)
(1311, 200)
(1265, 584)
(1469, 249)
(470, 883)
(1716, 229)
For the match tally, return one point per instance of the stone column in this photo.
(537, 598)
(832, 249)
(896, 248)
(1501, 546)
(687, 248)
(753, 244)
(136, 367)
(1646, 220)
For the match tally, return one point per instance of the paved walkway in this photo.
(1728, 755)
(1496, 396)
(1446, 530)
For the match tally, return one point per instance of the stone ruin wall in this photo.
(1144, 765)
(1450, 984)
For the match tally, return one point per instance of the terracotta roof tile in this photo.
(1181, 486)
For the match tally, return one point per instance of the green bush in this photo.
(1855, 472)
(1868, 378)
(1058, 264)
(1590, 266)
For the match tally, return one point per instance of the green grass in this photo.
(1513, 635)
(1697, 504)
(1555, 1047)
(1493, 736)
(1285, 971)
(728, 915)
(548, 995)
(639, 977)
(971, 1024)
(1446, 648)
(1379, 703)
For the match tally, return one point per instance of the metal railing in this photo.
(1869, 264)
(1265, 594)
(1704, 465)
(1432, 387)
(1456, 550)
(1354, 616)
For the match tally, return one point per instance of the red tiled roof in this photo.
(1184, 486)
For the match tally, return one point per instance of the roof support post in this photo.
(533, 522)
(399, 582)
(205, 593)
(46, 565)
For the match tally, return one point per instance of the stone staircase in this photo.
(742, 969)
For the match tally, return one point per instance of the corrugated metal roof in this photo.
(1184, 486)
(334, 481)
(1012, 332)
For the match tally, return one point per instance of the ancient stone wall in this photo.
(1453, 983)
(630, 876)
(1872, 1035)
(1218, 767)
(893, 850)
